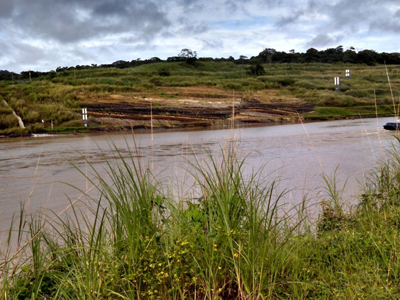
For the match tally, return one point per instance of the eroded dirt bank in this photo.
(191, 108)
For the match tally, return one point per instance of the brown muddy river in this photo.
(36, 172)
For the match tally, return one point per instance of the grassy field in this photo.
(58, 98)
(228, 240)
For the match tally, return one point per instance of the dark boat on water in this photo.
(391, 126)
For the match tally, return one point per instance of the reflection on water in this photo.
(32, 170)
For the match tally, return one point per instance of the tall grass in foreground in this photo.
(227, 241)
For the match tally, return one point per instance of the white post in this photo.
(337, 83)
(347, 73)
(84, 116)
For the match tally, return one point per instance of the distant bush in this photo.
(359, 93)
(157, 81)
(72, 123)
(148, 86)
(336, 100)
(380, 91)
(31, 116)
(232, 86)
(306, 84)
(164, 72)
(5, 110)
(282, 81)
(36, 127)
(14, 131)
(256, 69)
(286, 81)
(8, 121)
(271, 85)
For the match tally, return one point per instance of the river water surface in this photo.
(33, 171)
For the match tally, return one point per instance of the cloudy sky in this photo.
(41, 35)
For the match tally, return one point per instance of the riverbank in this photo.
(178, 95)
(121, 125)
(228, 242)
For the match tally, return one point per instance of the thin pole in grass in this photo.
(396, 113)
(381, 153)
(136, 148)
(324, 175)
(366, 134)
(35, 181)
(233, 109)
(311, 142)
(151, 133)
(47, 202)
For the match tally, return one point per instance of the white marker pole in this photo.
(84, 116)
(337, 83)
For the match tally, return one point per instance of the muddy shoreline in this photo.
(146, 114)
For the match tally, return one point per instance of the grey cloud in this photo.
(389, 23)
(188, 6)
(105, 30)
(231, 6)
(353, 16)
(344, 18)
(320, 40)
(342, 14)
(324, 40)
(83, 56)
(294, 14)
(212, 44)
(190, 2)
(290, 19)
(71, 21)
(193, 29)
(145, 47)
(4, 48)
(25, 55)
(7, 8)
(185, 26)
(111, 8)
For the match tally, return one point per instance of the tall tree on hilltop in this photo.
(189, 55)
